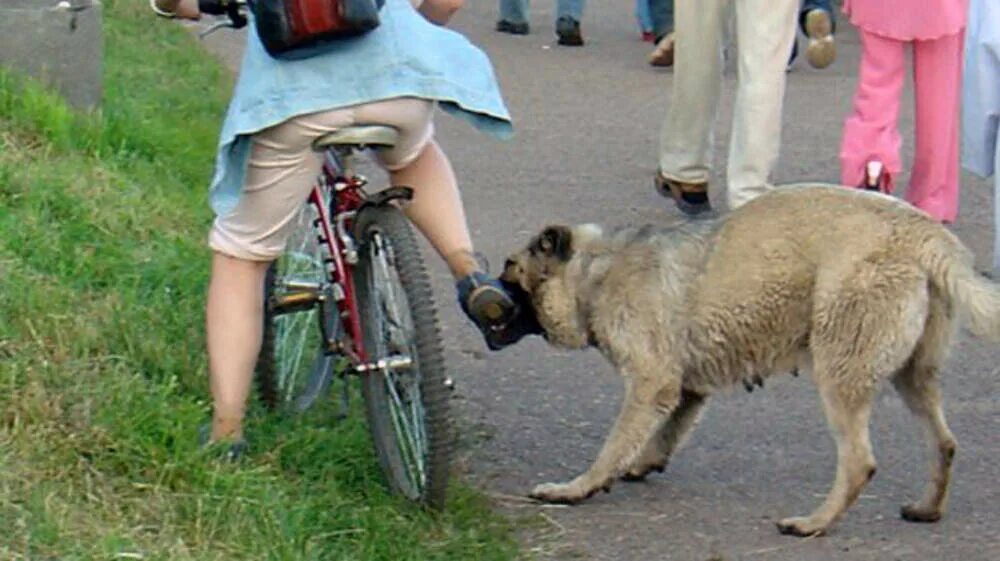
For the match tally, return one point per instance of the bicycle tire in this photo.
(291, 347)
(384, 236)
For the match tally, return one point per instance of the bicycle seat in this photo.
(361, 135)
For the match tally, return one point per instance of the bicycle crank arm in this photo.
(395, 362)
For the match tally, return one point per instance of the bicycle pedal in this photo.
(295, 302)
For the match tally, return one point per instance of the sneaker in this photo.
(231, 451)
(486, 302)
(648, 37)
(504, 26)
(524, 323)
(819, 28)
(690, 198)
(568, 31)
(663, 54)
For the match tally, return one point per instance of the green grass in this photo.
(102, 369)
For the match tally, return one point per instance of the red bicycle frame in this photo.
(334, 233)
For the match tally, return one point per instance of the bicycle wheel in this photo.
(293, 367)
(407, 407)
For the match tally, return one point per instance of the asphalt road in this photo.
(587, 123)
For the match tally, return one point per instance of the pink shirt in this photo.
(908, 20)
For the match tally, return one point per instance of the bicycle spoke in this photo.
(295, 337)
(300, 325)
(416, 451)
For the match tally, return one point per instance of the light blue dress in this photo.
(981, 102)
(405, 56)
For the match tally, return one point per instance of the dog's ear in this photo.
(556, 241)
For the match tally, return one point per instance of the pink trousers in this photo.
(871, 131)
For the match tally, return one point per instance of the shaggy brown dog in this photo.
(852, 287)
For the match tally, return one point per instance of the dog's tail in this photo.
(950, 265)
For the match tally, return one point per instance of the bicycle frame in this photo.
(335, 184)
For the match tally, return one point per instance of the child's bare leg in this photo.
(234, 330)
(436, 209)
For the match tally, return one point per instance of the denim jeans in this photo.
(643, 15)
(662, 14)
(825, 5)
(516, 11)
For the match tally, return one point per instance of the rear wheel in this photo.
(293, 367)
(407, 405)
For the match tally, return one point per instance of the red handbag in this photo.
(293, 29)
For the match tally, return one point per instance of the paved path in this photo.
(587, 123)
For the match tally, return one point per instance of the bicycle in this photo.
(352, 288)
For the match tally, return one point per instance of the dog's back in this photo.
(808, 258)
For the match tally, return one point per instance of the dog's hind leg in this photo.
(657, 451)
(867, 324)
(643, 412)
(917, 383)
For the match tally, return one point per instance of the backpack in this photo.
(293, 29)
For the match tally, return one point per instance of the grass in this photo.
(102, 368)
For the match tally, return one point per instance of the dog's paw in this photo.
(564, 493)
(916, 513)
(800, 526)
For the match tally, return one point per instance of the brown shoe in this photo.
(663, 54)
(822, 49)
(690, 198)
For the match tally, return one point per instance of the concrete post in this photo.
(60, 42)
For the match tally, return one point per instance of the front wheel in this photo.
(407, 405)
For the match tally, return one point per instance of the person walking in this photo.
(514, 16)
(869, 150)
(981, 103)
(661, 15)
(764, 31)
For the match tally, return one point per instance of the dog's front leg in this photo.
(642, 414)
(658, 450)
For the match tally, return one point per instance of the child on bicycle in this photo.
(394, 75)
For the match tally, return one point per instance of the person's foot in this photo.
(690, 198)
(229, 450)
(877, 178)
(568, 32)
(504, 26)
(663, 54)
(819, 29)
(186, 9)
(524, 323)
(648, 37)
(487, 303)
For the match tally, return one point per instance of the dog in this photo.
(854, 288)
